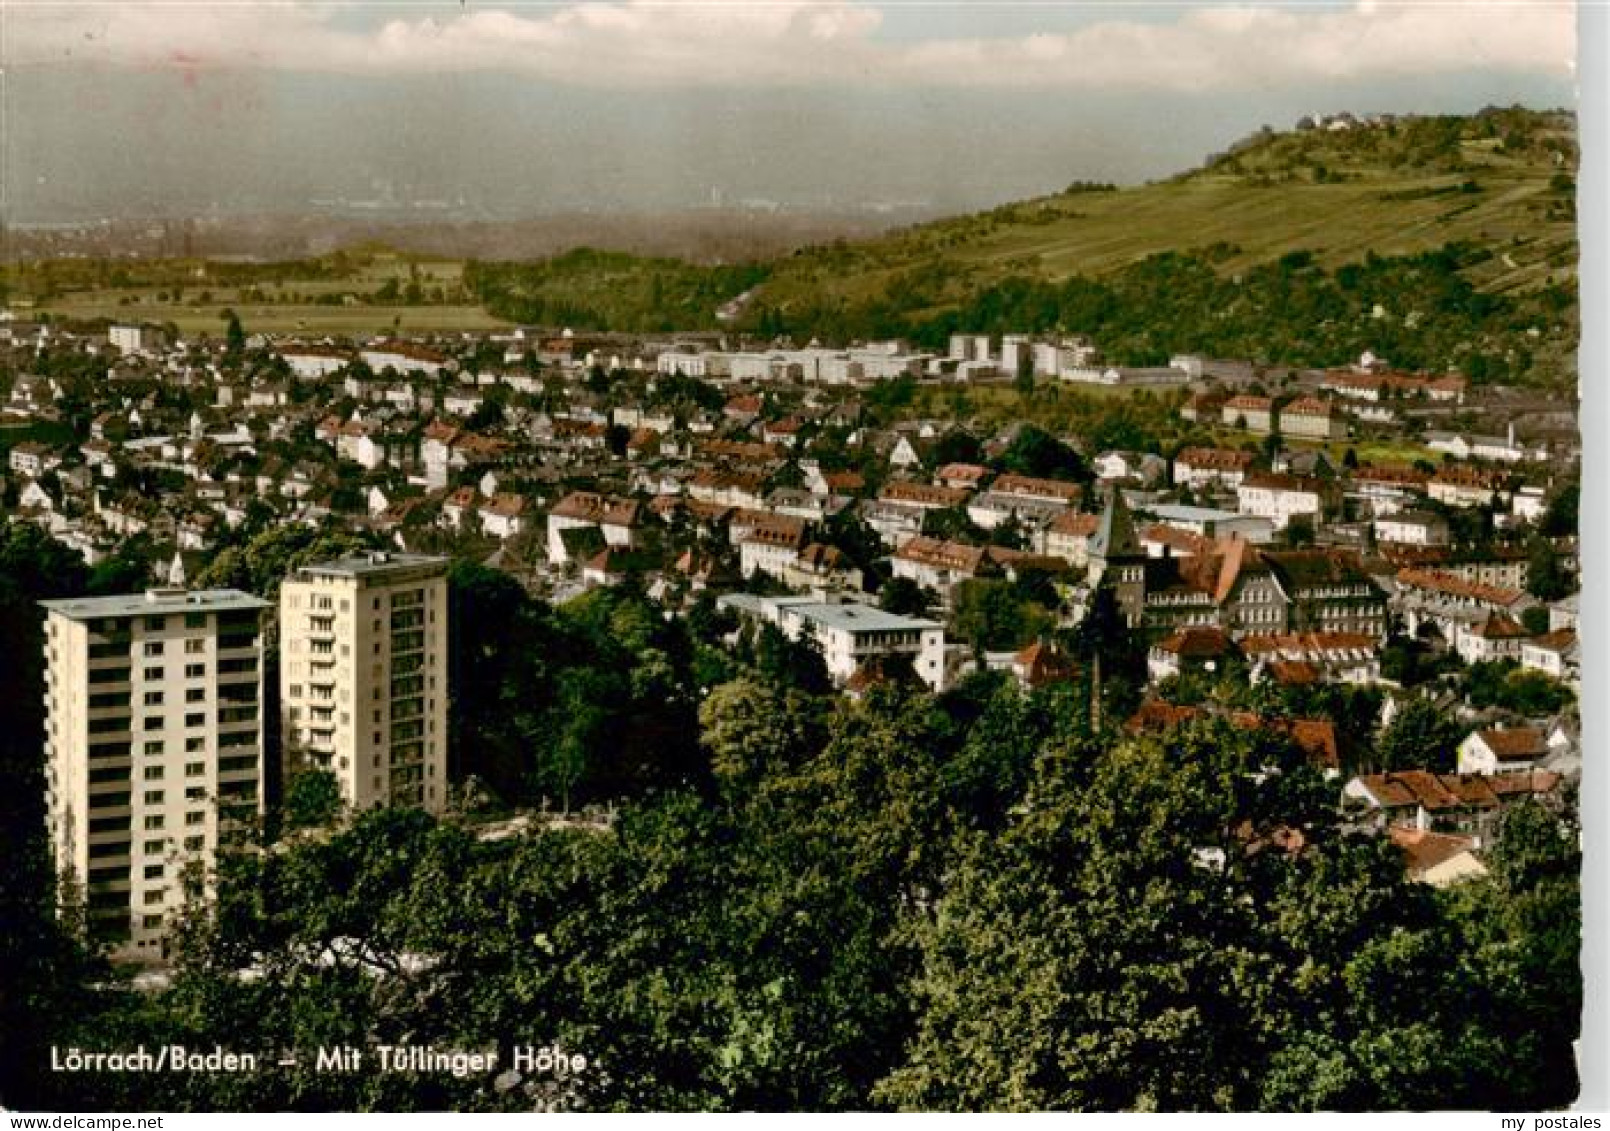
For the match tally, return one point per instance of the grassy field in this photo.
(285, 301)
(281, 319)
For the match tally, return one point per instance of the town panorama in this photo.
(884, 676)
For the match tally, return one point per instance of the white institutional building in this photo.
(154, 748)
(363, 676)
(849, 633)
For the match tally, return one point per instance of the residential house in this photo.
(771, 546)
(1413, 528)
(1554, 654)
(1503, 750)
(1189, 649)
(1200, 468)
(1385, 490)
(1068, 537)
(1040, 664)
(504, 515)
(616, 522)
(1144, 468)
(822, 567)
(1438, 859)
(940, 565)
(1281, 498)
(1498, 637)
(1459, 486)
(1310, 418)
(1462, 804)
(962, 476)
(923, 496)
(1248, 412)
(1333, 657)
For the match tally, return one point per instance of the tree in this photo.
(1080, 960)
(756, 731)
(1299, 531)
(956, 445)
(1546, 578)
(1419, 737)
(1561, 518)
(126, 570)
(904, 596)
(1034, 451)
(312, 799)
(234, 338)
(45, 965)
(990, 615)
(791, 663)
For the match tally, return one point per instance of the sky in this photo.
(134, 108)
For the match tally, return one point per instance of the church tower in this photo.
(1117, 560)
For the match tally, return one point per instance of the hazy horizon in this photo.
(147, 110)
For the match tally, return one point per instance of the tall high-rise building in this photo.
(154, 747)
(363, 676)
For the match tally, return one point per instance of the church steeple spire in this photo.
(1115, 535)
(1117, 559)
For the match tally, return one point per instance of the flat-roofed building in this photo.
(154, 747)
(363, 676)
(852, 635)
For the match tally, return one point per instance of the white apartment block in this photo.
(154, 748)
(1278, 498)
(363, 676)
(1412, 528)
(134, 339)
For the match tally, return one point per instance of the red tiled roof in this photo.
(1221, 459)
(1197, 643)
(1459, 475)
(1155, 715)
(1274, 481)
(1497, 626)
(1294, 673)
(1390, 473)
(1182, 542)
(1042, 663)
(1075, 524)
(1307, 643)
(1561, 640)
(504, 506)
(924, 494)
(942, 555)
(1425, 849)
(1438, 581)
(1515, 744)
(1031, 487)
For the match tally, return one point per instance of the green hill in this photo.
(1444, 242)
(1502, 179)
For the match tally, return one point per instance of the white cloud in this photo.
(649, 44)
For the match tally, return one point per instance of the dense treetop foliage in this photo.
(599, 290)
(989, 898)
